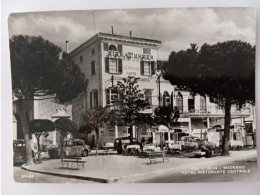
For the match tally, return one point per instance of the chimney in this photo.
(112, 29)
(67, 46)
(130, 33)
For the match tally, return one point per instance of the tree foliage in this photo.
(68, 80)
(38, 72)
(65, 126)
(224, 71)
(163, 115)
(40, 127)
(221, 71)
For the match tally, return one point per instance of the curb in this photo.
(100, 180)
(133, 178)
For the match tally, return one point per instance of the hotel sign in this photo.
(130, 55)
(118, 78)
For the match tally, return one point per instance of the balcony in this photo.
(213, 110)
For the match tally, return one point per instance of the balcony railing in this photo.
(212, 110)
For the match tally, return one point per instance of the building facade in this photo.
(106, 59)
(40, 109)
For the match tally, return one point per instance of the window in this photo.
(203, 104)
(93, 52)
(147, 68)
(166, 99)
(148, 95)
(113, 65)
(94, 98)
(191, 102)
(112, 48)
(93, 71)
(179, 102)
(111, 94)
(81, 59)
(147, 51)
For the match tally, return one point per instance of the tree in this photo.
(94, 119)
(38, 73)
(224, 71)
(64, 126)
(128, 104)
(85, 130)
(40, 127)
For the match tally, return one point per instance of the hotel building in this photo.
(107, 58)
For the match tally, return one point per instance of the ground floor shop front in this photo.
(198, 126)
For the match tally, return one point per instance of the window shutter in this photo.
(105, 46)
(142, 67)
(96, 98)
(120, 48)
(107, 65)
(153, 67)
(120, 66)
(90, 95)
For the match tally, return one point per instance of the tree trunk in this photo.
(97, 133)
(131, 133)
(25, 127)
(38, 141)
(226, 138)
(61, 144)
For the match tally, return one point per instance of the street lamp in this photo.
(159, 87)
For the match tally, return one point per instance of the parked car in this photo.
(72, 147)
(19, 151)
(196, 146)
(124, 141)
(189, 143)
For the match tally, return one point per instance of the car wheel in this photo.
(85, 153)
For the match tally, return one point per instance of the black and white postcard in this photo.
(162, 95)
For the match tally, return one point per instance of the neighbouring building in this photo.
(40, 109)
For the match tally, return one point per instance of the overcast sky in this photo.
(176, 28)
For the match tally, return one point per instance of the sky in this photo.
(177, 28)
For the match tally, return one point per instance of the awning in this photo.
(160, 128)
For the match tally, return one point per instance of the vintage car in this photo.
(189, 143)
(71, 147)
(124, 141)
(196, 146)
(19, 151)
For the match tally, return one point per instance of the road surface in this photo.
(234, 171)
